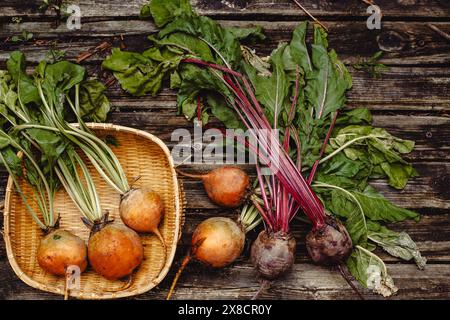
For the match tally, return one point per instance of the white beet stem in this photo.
(249, 217)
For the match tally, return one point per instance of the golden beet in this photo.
(60, 249)
(218, 241)
(142, 210)
(115, 251)
(226, 186)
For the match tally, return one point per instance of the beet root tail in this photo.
(265, 285)
(189, 175)
(184, 263)
(346, 277)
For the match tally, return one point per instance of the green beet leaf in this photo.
(378, 208)
(139, 73)
(26, 88)
(371, 272)
(94, 105)
(397, 244)
(250, 34)
(272, 91)
(165, 11)
(328, 80)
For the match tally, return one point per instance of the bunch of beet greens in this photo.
(323, 157)
(36, 115)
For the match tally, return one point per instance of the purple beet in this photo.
(330, 244)
(273, 254)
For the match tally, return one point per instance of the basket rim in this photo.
(105, 295)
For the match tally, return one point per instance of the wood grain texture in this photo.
(411, 100)
(247, 9)
(403, 43)
(305, 281)
(427, 194)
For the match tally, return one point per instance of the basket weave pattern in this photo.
(143, 157)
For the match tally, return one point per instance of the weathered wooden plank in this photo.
(240, 281)
(434, 251)
(409, 86)
(404, 43)
(399, 89)
(421, 90)
(431, 233)
(13, 288)
(427, 194)
(249, 9)
(325, 9)
(307, 282)
(429, 132)
(429, 191)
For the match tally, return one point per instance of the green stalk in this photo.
(96, 155)
(84, 196)
(249, 217)
(24, 199)
(38, 195)
(114, 169)
(40, 173)
(374, 256)
(76, 109)
(121, 179)
(49, 112)
(77, 99)
(86, 200)
(82, 192)
(108, 159)
(349, 194)
(62, 172)
(347, 144)
(22, 106)
(217, 52)
(47, 213)
(90, 185)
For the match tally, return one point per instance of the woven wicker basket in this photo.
(141, 155)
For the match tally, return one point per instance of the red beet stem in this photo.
(211, 65)
(280, 163)
(199, 109)
(349, 281)
(322, 149)
(286, 172)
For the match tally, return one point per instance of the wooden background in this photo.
(411, 100)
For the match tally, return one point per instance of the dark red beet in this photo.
(329, 245)
(273, 254)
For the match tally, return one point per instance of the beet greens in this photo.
(324, 156)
